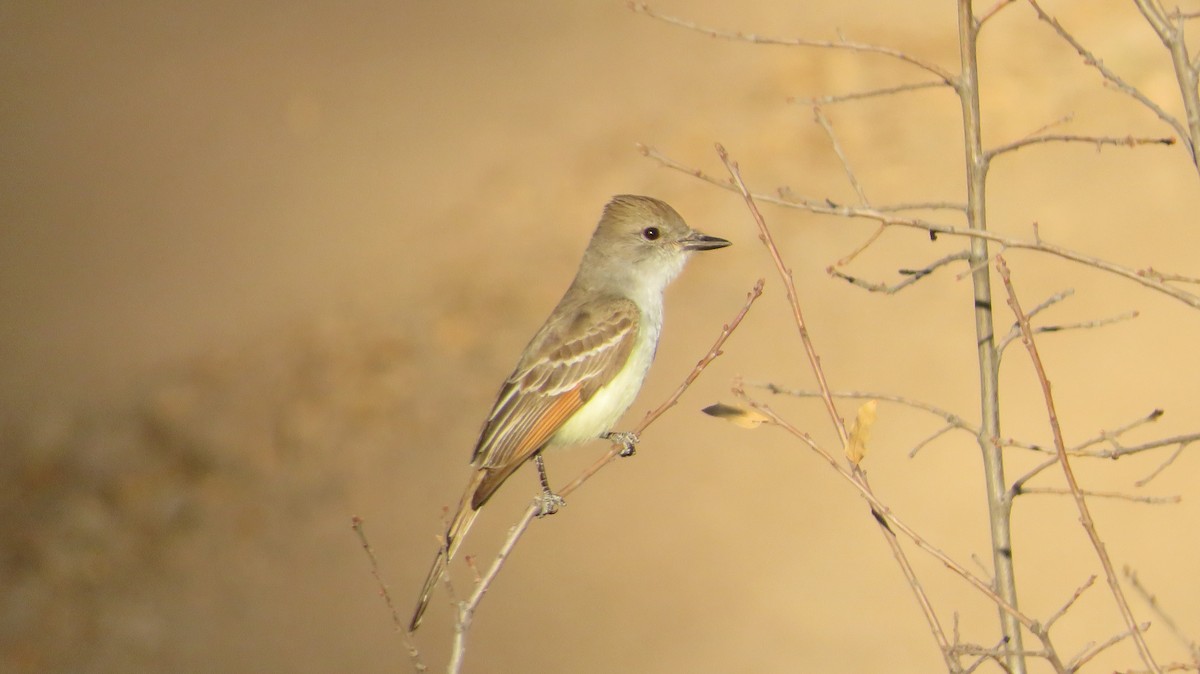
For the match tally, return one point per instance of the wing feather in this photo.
(576, 353)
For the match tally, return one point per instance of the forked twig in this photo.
(1085, 515)
(941, 73)
(356, 523)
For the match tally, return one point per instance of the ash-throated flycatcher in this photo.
(583, 369)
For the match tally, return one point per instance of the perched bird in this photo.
(585, 366)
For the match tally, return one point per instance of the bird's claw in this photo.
(548, 503)
(627, 439)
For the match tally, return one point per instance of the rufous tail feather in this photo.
(463, 519)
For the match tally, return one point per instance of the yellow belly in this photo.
(598, 415)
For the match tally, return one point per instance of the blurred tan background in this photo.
(263, 266)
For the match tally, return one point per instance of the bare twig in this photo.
(1096, 649)
(1080, 501)
(1098, 141)
(1062, 610)
(1147, 596)
(840, 43)
(1166, 276)
(1063, 327)
(1153, 500)
(356, 523)
(911, 275)
(930, 438)
(1162, 466)
(789, 196)
(870, 93)
(466, 609)
(1110, 435)
(1000, 4)
(823, 121)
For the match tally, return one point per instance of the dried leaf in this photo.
(737, 415)
(860, 431)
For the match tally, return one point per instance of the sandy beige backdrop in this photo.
(263, 265)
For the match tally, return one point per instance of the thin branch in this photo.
(912, 275)
(1081, 325)
(1165, 276)
(1147, 596)
(870, 93)
(1161, 467)
(840, 43)
(466, 610)
(356, 523)
(1085, 515)
(930, 438)
(1062, 610)
(1146, 446)
(1000, 5)
(1082, 659)
(1015, 330)
(823, 121)
(1018, 485)
(849, 257)
(789, 196)
(1153, 500)
(1110, 436)
(1151, 281)
(1098, 141)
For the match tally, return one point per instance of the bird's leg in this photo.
(628, 440)
(548, 502)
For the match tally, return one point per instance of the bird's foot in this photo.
(627, 439)
(548, 503)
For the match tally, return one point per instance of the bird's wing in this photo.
(568, 361)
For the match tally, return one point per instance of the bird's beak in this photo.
(698, 241)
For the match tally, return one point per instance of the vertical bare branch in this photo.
(999, 503)
(1085, 515)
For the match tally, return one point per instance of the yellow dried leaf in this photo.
(737, 415)
(860, 431)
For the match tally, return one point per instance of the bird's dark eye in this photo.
(651, 233)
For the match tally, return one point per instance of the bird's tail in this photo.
(463, 519)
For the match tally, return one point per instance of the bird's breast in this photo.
(609, 403)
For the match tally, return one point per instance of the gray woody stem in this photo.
(999, 503)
